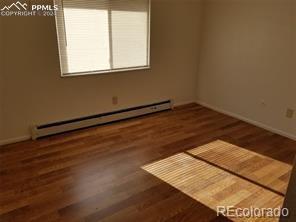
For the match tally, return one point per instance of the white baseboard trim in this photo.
(183, 103)
(28, 137)
(237, 116)
(14, 140)
(245, 119)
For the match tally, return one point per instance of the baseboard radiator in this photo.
(39, 131)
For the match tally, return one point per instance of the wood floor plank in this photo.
(95, 174)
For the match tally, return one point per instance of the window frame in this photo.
(99, 72)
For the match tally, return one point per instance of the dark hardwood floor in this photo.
(95, 174)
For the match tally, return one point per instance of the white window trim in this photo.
(109, 71)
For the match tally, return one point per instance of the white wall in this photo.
(248, 56)
(34, 92)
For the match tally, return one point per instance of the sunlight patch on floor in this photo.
(216, 185)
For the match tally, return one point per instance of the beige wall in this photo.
(247, 57)
(35, 93)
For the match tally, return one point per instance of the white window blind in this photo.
(101, 36)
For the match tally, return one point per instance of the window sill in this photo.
(104, 72)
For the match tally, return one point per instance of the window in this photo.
(103, 36)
